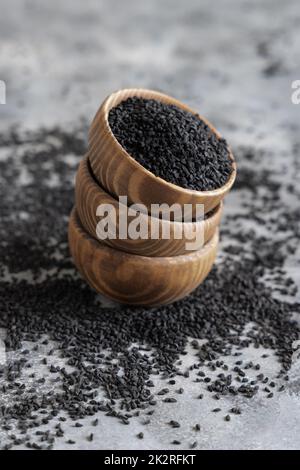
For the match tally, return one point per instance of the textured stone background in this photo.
(233, 61)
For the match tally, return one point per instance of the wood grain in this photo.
(89, 195)
(120, 174)
(138, 280)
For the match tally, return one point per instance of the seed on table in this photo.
(68, 311)
(174, 424)
(163, 391)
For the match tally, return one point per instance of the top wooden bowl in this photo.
(121, 175)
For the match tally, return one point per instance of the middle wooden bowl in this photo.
(138, 280)
(89, 196)
(120, 174)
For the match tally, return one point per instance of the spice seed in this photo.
(172, 143)
(66, 310)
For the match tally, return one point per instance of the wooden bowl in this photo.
(89, 195)
(138, 280)
(120, 174)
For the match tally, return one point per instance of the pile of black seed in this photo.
(172, 143)
(80, 347)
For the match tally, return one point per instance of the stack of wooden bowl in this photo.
(143, 271)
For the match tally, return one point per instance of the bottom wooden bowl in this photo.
(134, 279)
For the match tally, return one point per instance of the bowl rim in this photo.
(110, 103)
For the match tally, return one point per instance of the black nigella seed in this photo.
(170, 400)
(66, 311)
(164, 391)
(172, 143)
(140, 435)
(174, 424)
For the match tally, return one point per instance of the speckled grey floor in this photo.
(235, 64)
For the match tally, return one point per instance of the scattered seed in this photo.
(67, 311)
(174, 424)
(170, 400)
